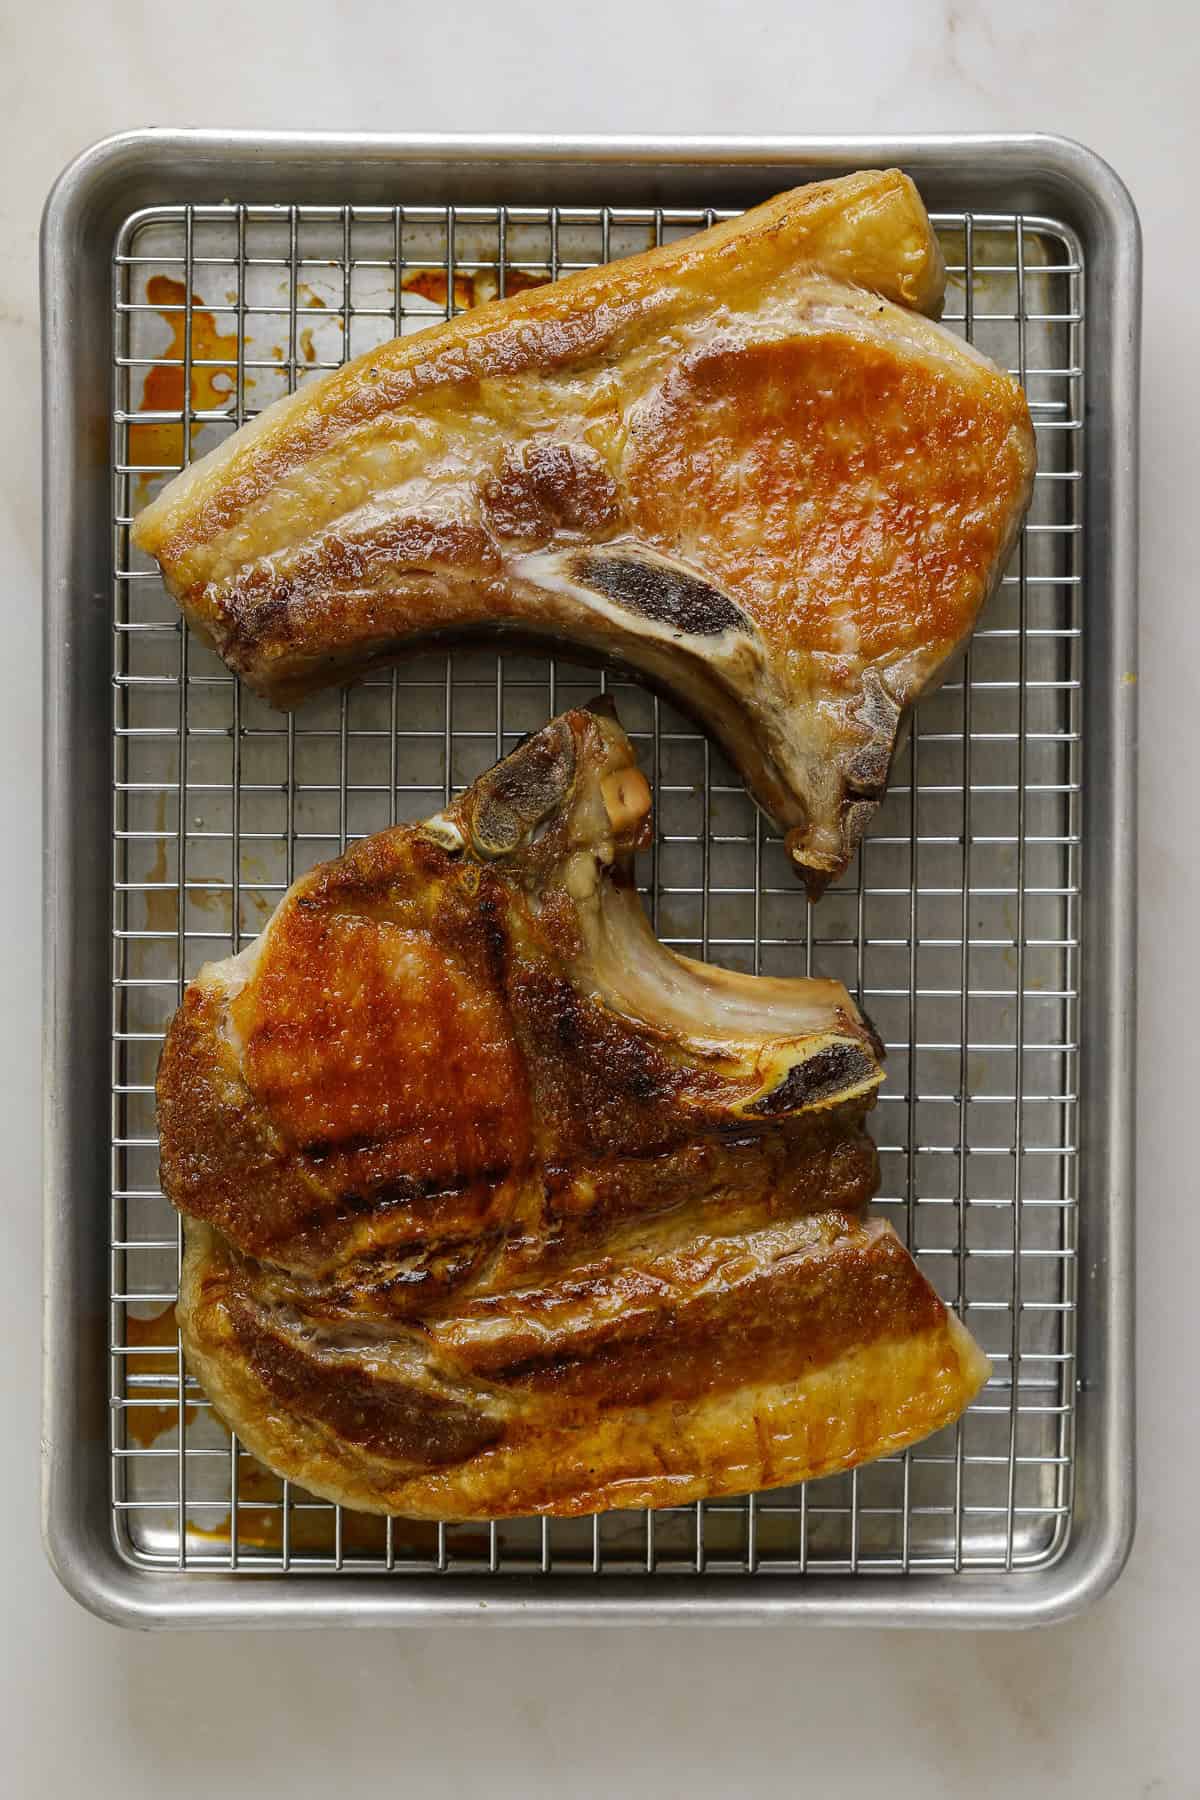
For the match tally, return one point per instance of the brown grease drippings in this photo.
(155, 1341)
(470, 289)
(158, 443)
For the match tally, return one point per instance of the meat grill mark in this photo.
(654, 590)
(565, 1211)
(805, 1309)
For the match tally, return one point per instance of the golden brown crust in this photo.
(868, 228)
(469, 1233)
(542, 490)
(889, 550)
(463, 1451)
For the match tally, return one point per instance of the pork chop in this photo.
(744, 464)
(494, 1205)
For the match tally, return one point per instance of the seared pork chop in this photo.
(744, 463)
(494, 1205)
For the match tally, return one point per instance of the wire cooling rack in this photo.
(958, 927)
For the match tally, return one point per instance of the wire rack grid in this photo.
(958, 927)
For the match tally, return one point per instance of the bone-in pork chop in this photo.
(744, 463)
(494, 1205)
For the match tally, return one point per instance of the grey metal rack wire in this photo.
(959, 927)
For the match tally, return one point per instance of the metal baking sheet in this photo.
(188, 280)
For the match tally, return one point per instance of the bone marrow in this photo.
(653, 589)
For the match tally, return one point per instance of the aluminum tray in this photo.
(988, 925)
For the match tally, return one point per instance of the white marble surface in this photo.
(1100, 1707)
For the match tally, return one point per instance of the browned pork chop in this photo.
(745, 464)
(494, 1205)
